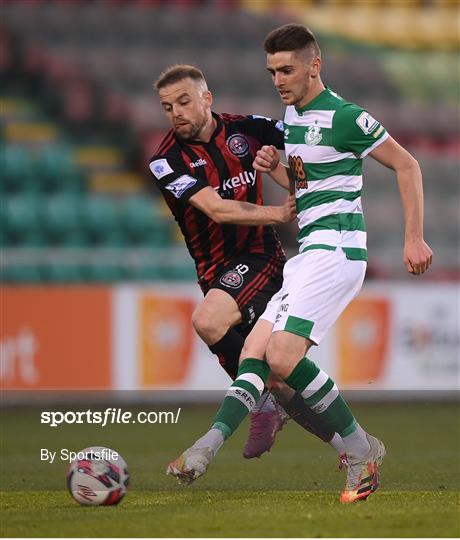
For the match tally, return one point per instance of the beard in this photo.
(189, 132)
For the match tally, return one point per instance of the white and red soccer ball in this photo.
(98, 476)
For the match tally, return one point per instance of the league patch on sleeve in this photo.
(280, 125)
(366, 123)
(160, 168)
(181, 184)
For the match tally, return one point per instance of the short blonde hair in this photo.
(177, 73)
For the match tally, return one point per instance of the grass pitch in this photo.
(290, 492)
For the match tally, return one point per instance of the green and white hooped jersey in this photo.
(325, 143)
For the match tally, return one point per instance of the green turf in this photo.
(292, 491)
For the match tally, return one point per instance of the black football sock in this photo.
(305, 417)
(228, 349)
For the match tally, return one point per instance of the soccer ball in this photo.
(97, 476)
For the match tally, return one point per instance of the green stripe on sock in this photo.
(298, 326)
(349, 430)
(302, 375)
(223, 428)
(253, 365)
(320, 393)
(230, 415)
(233, 411)
(339, 417)
(249, 387)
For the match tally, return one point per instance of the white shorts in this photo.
(317, 286)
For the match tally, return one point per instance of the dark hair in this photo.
(291, 37)
(177, 73)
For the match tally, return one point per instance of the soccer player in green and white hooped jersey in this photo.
(326, 139)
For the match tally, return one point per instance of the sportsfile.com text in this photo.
(111, 415)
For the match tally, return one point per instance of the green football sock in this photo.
(322, 396)
(241, 396)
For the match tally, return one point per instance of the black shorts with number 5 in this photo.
(251, 280)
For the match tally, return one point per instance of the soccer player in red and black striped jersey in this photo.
(203, 168)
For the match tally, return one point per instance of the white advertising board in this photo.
(392, 337)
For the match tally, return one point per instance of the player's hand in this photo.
(267, 159)
(418, 256)
(288, 210)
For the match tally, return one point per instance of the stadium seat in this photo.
(21, 274)
(146, 273)
(63, 273)
(63, 220)
(104, 273)
(21, 220)
(17, 169)
(186, 272)
(144, 224)
(57, 170)
(101, 221)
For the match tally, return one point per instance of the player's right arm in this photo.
(173, 177)
(227, 211)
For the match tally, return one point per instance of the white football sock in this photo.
(356, 444)
(212, 439)
(337, 443)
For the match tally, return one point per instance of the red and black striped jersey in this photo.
(182, 168)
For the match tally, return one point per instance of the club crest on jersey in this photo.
(313, 135)
(238, 145)
(232, 279)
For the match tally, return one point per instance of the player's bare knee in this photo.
(284, 351)
(256, 342)
(208, 325)
(251, 350)
(276, 359)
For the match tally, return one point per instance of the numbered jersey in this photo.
(325, 143)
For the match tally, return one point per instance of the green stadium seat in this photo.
(21, 220)
(105, 273)
(21, 274)
(146, 273)
(144, 224)
(57, 170)
(63, 273)
(102, 221)
(185, 273)
(63, 220)
(17, 171)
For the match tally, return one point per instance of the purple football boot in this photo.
(267, 418)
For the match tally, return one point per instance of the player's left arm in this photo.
(266, 130)
(270, 134)
(418, 255)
